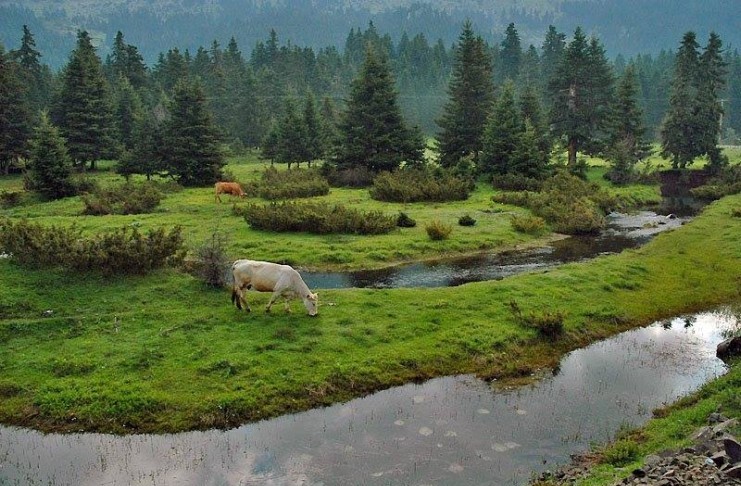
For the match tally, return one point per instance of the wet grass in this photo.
(165, 353)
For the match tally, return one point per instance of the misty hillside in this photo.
(626, 27)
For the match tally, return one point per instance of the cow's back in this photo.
(261, 276)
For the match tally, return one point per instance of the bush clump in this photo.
(549, 325)
(437, 230)
(211, 262)
(317, 218)
(290, 184)
(726, 183)
(127, 198)
(466, 220)
(620, 453)
(417, 185)
(9, 199)
(531, 225)
(351, 177)
(569, 204)
(516, 182)
(122, 251)
(405, 221)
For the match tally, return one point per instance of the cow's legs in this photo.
(287, 305)
(238, 298)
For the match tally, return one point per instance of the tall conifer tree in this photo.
(372, 131)
(471, 94)
(502, 133)
(192, 153)
(49, 164)
(15, 118)
(84, 111)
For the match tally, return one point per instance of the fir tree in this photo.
(532, 113)
(36, 77)
(711, 84)
(581, 89)
(191, 150)
(315, 138)
(49, 166)
(471, 93)
(372, 132)
(627, 134)
(84, 110)
(528, 159)
(510, 56)
(129, 110)
(502, 134)
(553, 50)
(15, 119)
(292, 145)
(680, 131)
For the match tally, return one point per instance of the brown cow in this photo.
(232, 188)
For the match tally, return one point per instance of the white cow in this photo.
(281, 280)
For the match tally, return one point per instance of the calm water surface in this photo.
(448, 431)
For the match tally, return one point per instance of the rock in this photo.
(703, 434)
(651, 460)
(723, 427)
(639, 473)
(733, 449)
(719, 458)
(671, 216)
(734, 472)
(47, 313)
(729, 348)
(716, 417)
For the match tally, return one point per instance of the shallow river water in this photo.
(448, 431)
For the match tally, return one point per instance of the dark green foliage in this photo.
(84, 109)
(501, 134)
(147, 155)
(350, 177)
(290, 184)
(372, 131)
(549, 325)
(471, 93)
(123, 251)
(691, 127)
(569, 204)
(581, 90)
(405, 221)
(191, 152)
(211, 262)
(620, 453)
(317, 218)
(127, 198)
(727, 182)
(289, 143)
(416, 185)
(466, 220)
(49, 166)
(15, 118)
(627, 144)
(516, 182)
(510, 55)
(437, 230)
(9, 199)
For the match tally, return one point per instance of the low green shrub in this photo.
(437, 230)
(405, 221)
(317, 218)
(516, 182)
(127, 198)
(351, 177)
(9, 199)
(416, 185)
(620, 453)
(466, 220)
(569, 204)
(548, 324)
(289, 184)
(531, 225)
(122, 251)
(211, 262)
(514, 198)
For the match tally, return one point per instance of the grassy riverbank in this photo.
(164, 353)
(198, 214)
(671, 429)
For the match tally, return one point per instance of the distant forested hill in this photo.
(627, 27)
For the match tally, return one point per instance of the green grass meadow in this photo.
(165, 353)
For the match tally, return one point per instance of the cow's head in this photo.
(311, 302)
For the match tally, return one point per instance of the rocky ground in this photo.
(713, 459)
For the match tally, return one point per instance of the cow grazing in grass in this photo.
(281, 280)
(232, 188)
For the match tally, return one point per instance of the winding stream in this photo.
(624, 231)
(448, 431)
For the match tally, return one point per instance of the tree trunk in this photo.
(572, 153)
